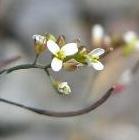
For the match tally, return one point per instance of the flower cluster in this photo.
(128, 41)
(69, 56)
(69, 51)
(60, 53)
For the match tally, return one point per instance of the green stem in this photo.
(49, 75)
(52, 80)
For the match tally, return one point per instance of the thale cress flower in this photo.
(132, 42)
(60, 53)
(92, 58)
(97, 35)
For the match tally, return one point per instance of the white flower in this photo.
(64, 88)
(97, 34)
(130, 36)
(97, 31)
(93, 59)
(60, 53)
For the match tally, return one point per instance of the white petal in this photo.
(35, 36)
(98, 66)
(53, 47)
(56, 64)
(97, 51)
(70, 49)
(38, 38)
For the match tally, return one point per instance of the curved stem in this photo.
(49, 112)
(64, 114)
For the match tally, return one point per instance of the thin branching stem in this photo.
(52, 80)
(36, 59)
(49, 112)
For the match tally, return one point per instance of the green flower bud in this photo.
(63, 88)
(50, 37)
(71, 65)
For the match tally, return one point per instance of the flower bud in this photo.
(81, 55)
(49, 36)
(39, 43)
(71, 65)
(64, 88)
(130, 36)
(61, 41)
(119, 88)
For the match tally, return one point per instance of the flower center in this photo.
(93, 58)
(61, 55)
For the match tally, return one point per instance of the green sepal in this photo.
(50, 37)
